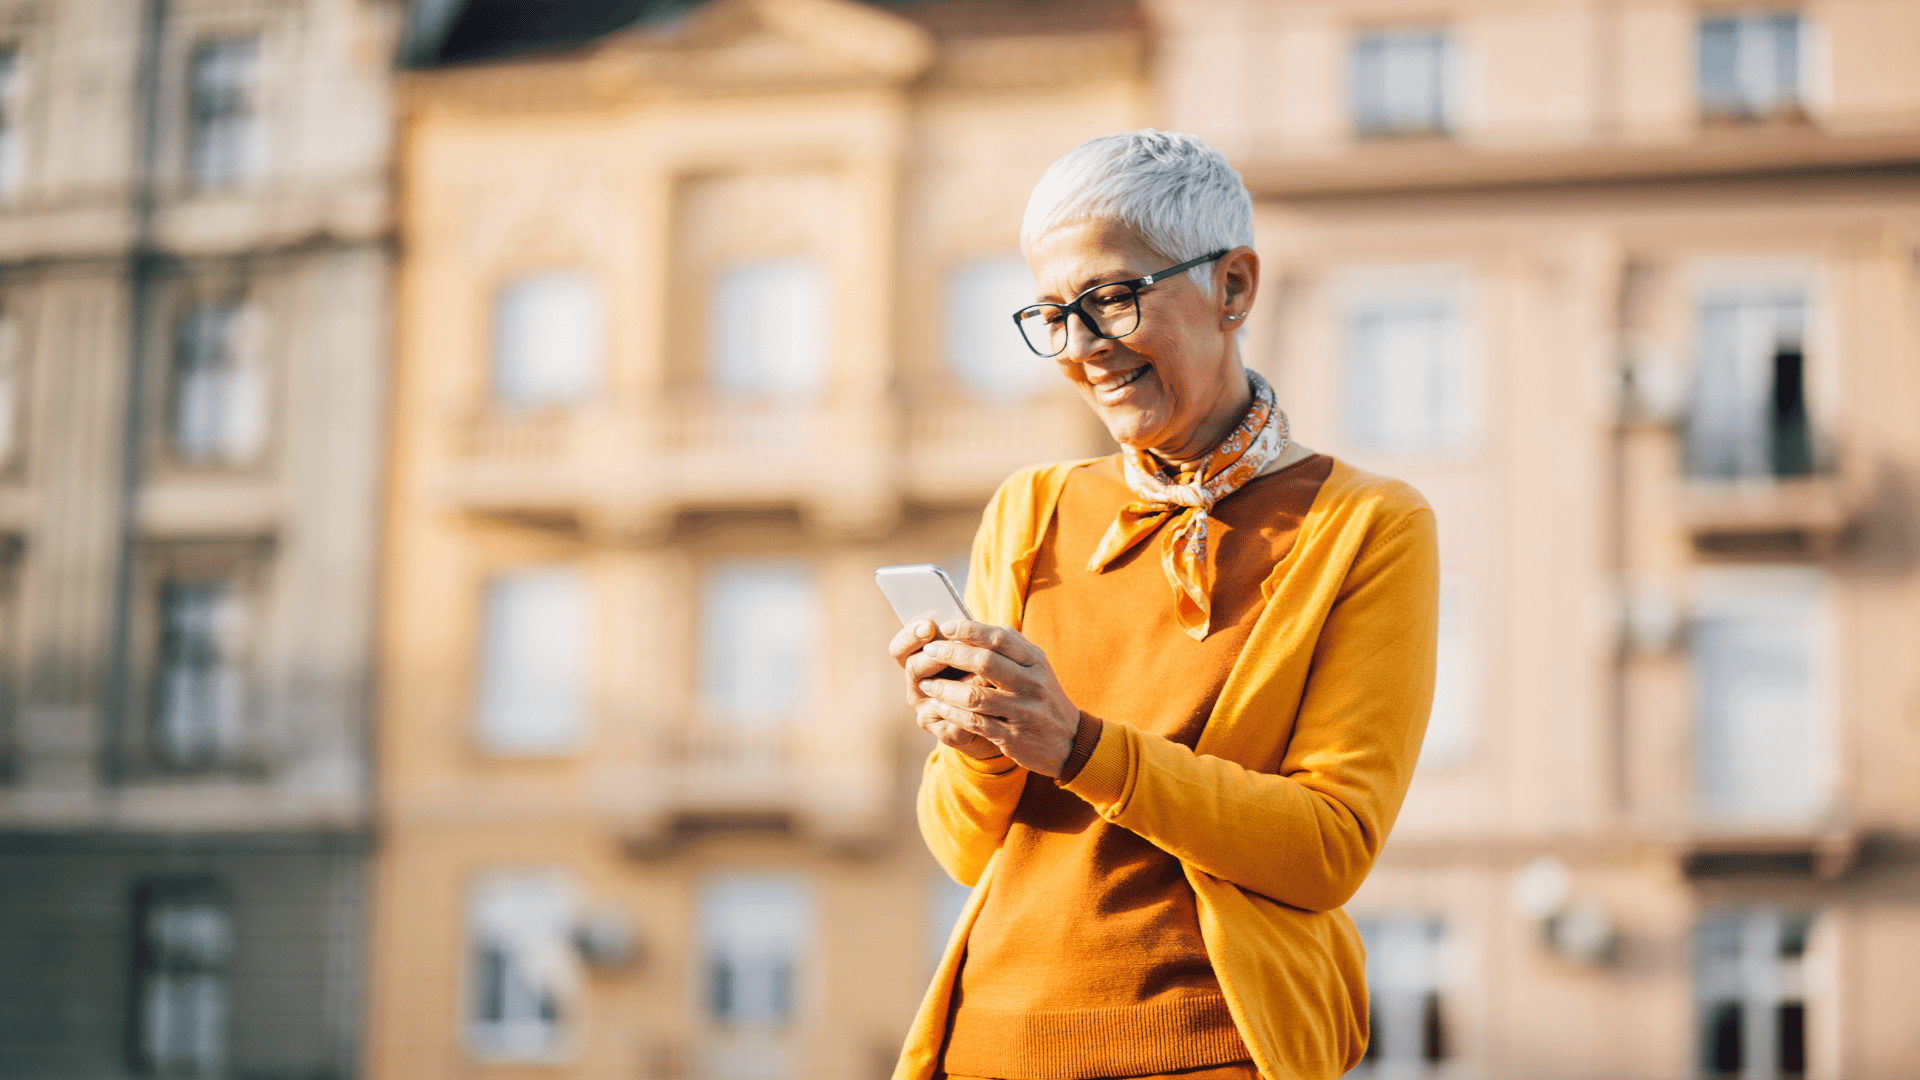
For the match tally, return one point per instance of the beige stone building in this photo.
(700, 321)
(194, 267)
(1630, 291)
(1628, 288)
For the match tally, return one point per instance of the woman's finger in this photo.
(922, 666)
(983, 662)
(910, 639)
(969, 695)
(984, 726)
(1000, 639)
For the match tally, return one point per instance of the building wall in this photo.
(120, 219)
(893, 151)
(1575, 216)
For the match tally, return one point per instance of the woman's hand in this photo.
(906, 647)
(1011, 698)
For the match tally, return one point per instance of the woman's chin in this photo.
(1129, 427)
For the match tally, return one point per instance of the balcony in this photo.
(1794, 517)
(780, 781)
(963, 450)
(844, 464)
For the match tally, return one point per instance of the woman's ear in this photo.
(1239, 281)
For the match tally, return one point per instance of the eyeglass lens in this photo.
(1112, 310)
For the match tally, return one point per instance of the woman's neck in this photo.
(1235, 398)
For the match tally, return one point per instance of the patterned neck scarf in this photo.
(1184, 500)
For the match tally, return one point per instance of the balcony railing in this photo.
(702, 452)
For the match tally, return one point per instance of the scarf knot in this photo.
(1185, 501)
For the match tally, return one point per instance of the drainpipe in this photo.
(142, 271)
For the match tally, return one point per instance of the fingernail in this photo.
(927, 686)
(924, 629)
(949, 628)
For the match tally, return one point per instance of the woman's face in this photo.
(1175, 385)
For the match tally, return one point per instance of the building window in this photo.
(200, 713)
(548, 333)
(534, 644)
(12, 378)
(225, 130)
(1750, 990)
(183, 952)
(1750, 69)
(984, 350)
(1403, 83)
(10, 171)
(754, 931)
(946, 902)
(1405, 980)
(1456, 680)
(771, 328)
(524, 971)
(1749, 414)
(218, 414)
(1406, 375)
(761, 622)
(1757, 644)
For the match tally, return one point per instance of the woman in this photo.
(1197, 687)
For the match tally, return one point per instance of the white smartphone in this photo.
(921, 591)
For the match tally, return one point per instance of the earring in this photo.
(1242, 315)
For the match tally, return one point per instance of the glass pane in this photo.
(1759, 744)
(1402, 82)
(523, 970)
(771, 326)
(184, 1002)
(1406, 978)
(10, 172)
(219, 396)
(1729, 428)
(983, 348)
(201, 692)
(755, 930)
(1405, 380)
(548, 339)
(1749, 64)
(533, 661)
(760, 622)
(225, 135)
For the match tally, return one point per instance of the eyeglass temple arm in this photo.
(1188, 265)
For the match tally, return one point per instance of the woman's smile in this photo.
(1113, 388)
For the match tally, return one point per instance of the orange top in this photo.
(1118, 983)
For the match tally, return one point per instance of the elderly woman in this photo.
(1197, 689)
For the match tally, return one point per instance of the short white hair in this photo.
(1177, 193)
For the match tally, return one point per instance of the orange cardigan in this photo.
(1279, 811)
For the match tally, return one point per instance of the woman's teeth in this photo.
(1107, 386)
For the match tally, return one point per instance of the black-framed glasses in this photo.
(1109, 311)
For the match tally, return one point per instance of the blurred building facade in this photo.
(701, 320)
(194, 266)
(1630, 291)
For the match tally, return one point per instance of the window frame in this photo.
(577, 740)
(1739, 111)
(597, 364)
(1443, 121)
(1447, 288)
(247, 563)
(151, 895)
(251, 170)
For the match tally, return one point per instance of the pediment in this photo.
(757, 44)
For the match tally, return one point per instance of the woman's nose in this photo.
(1082, 343)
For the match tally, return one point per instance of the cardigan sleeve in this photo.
(1307, 834)
(966, 804)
